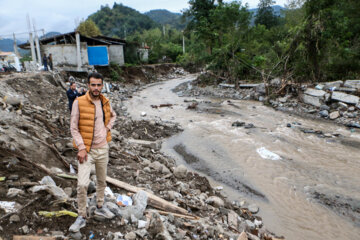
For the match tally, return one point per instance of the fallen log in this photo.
(153, 200)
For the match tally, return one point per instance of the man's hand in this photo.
(82, 156)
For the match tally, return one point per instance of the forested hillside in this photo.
(166, 17)
(310, 40)
(120, 20)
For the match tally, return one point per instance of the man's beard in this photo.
(93, 95)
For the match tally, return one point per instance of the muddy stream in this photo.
(306, 185)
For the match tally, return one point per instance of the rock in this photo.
(315, 101)
(215, 201)
(156, 145)
(351, 109)
(59, 146)
(68, 191)
(141, 233)
(180, 171)
(260, 88)
(143, 114)
(13, 177)
(75, 236)
(258, 223)
(173, 195)
(57, 192)
(138, 207)
(157, 166)
(242, 236)
(14, 218)
(324, 113)
(253, 208)
(91, 187)
(14, 101)
(352, 84)
(334, 115)
(325, 107)
(142, 224)
(283, 99)
(25, 229)
(346, 98)
(336, 84)
(130, 236)
(315, 92)
(250, 224)
(156, 225)
(233, 219)
(253, 237)
(342, 106)
(13, 192)
(319, 87)
(133, 219)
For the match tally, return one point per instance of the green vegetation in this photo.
(120, 21)
(88, 28)
(115, 72)
(310, 40)
(165, 17)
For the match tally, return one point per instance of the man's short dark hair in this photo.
(72, 83)
(95, 75)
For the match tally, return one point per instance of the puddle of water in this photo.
(312, 169)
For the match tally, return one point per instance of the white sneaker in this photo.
(80, 222)
(104, 212)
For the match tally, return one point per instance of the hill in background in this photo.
(115, 21)
(165, 17)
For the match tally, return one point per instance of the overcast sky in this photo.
(61, 15)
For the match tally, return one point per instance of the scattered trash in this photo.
(264, 153)
(72, 170)
(109, 192)
(123, 200)
(219, 188)
(58, 213)
(47, 180)
(2, 179)
(8, 206)
(92, 235)
(143, 114)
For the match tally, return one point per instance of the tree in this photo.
(265, 15)
(88, 28)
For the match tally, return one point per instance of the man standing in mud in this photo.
(92, 117)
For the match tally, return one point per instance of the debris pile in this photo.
(38, 188)
(337, 101)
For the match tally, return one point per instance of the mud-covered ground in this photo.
(35, 142)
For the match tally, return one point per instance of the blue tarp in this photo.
(98, 55)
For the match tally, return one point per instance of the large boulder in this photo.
(352, 84)
(315, 92)
(315, 101)
(336, 84)
(346, 98)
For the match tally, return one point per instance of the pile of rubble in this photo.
(338, 101)
(38, 180)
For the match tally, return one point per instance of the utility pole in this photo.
(37, 43)
(183, 42)
(15, 47)
(31, 40)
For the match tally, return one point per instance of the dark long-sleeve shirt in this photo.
(72, 95)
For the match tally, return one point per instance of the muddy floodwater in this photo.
(303, 174)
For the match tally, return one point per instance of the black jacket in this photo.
(72, 95)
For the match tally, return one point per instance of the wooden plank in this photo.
(29, 237)
(153, 200)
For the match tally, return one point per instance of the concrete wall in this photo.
(116, 54)
(65, 54)
(143, 54)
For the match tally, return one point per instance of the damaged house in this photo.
(75, 52)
